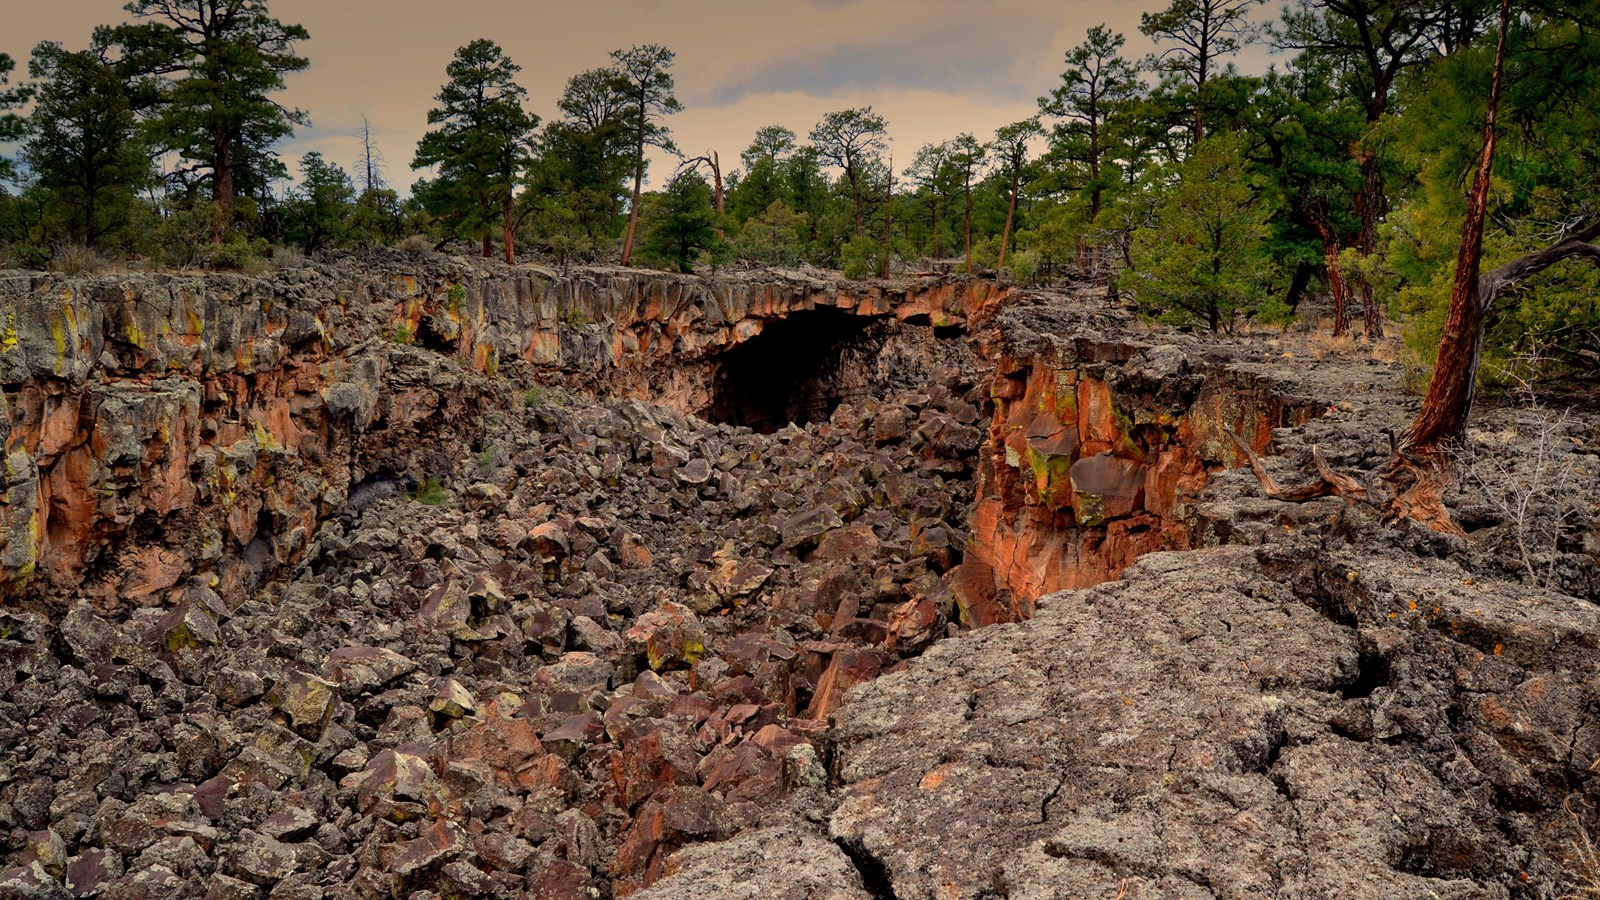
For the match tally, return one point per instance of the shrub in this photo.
(415, 245)
(430, 493)
(861, 258)
(454, 297)
(76, 259)
(239, 253)
(287, 256)
(1274, 311)
(1024, 267)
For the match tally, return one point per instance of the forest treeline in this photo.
(1335, 183)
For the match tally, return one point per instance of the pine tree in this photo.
(12, 124)
(482, 145)
(321, 210)
(222, 61)
(683, 223)
(967, 159)
(1097, 84)
(83, 148)
(852, 140)
(1204, 257)
(643, 75)
(1011, 149)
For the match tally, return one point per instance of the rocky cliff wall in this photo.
(1098, 448)
(158, 426)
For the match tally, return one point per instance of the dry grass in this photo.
(76, 259)
(1582, 859)
(415, 245)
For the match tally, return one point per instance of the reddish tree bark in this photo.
(1336, 282)
(1011, 215)
(1443, 418)
(509, 226)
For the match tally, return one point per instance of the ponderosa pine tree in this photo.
(930, 175)
(1197, 35)
(83, 148)
(683, 223)
(852, 140)
(1010, 147)
(1097, 83)
(761, 183)
(321, 209)
(1370, 44)
(221, 60)
(1204, 257)
(12, 124)
(577, 184)
(967, 160)
(643, 75)
(481, 145)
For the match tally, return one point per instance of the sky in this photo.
(932, 68)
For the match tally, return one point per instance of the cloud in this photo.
(999, 60)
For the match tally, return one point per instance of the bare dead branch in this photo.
(1330, 483)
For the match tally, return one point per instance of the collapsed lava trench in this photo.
(420, 579)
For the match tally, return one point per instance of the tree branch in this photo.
(1576, 245)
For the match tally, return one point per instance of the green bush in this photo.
(238, 253)
(1024, 267)
(415, 245)
(430, 493)
(774, 238)
(454, 297)
(861, 258)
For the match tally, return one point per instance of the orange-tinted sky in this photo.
(933, 68)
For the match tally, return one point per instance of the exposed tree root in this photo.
(1329, 483)
(1417, 490)
(1411, 489)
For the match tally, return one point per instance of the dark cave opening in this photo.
(798, 369)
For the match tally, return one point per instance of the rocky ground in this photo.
(606, 648)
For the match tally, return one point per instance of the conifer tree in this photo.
(643, 75)
(481, 145)
(83, 148)
(221, 61)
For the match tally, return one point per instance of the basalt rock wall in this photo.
(161, 426)
(1097, 450)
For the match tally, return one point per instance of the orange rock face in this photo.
(1092, 461)
(158, 427)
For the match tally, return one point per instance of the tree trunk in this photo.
(1297, 285)
(1011, 215)
(1336, 284)
(716, 174)
(1443, 418)
(1369, 205)
(855, 202)
(638, 186)
(1420, 471)
(488, 247)
(510, 241)
(969, 227)
(888, 220)
(222, 185)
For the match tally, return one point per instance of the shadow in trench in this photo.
(798, 369)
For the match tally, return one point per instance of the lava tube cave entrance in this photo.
(798, 369)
